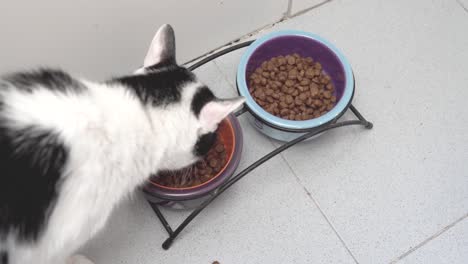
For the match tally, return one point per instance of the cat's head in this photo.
(178, 103)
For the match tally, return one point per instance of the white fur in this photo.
(115, 144)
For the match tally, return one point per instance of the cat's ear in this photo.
(215, 111)
(162, 48)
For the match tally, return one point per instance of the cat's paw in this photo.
(79, 259)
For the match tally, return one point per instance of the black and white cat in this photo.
(71, 149)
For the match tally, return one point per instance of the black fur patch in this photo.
(3, 258)
(3, 86)
(202, 97)
(160, 65)
(204, 143)
(160, 87)
(31, 164)
(56, 80)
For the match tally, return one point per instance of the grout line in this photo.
(288, 9)
(462, 6)
(244, 37)
(309, 194)
(427, 240)
(285, 17)
(309, 8)
(224, 76)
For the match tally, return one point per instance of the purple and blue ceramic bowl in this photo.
(185, 198)
(305, 44)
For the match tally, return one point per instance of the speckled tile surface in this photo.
(374, 195)
(267, 217)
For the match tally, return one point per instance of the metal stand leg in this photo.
(162, 218)
(173, 234)
(367, 124)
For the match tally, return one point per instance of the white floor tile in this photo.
(228, 63)
(210, 75)
(464, 4)
(388, 189)
(302, 5)
(450, 247)
(385, 190)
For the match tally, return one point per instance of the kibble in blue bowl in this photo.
(294, 81)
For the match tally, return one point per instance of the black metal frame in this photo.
(214, 194)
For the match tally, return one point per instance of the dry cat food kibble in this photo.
(200, 172)
(292, 87)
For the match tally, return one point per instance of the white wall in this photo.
(102, 38)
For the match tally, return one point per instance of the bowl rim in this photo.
(231, 156)
(291, 124)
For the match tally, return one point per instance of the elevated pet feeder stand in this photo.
(360, 121)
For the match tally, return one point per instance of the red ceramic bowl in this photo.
(231, 134)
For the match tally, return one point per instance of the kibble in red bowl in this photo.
(190, 187)
(199, 173)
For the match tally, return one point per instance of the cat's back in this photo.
(57, 132)
(50, 79)
(42, 97)
(32, 152)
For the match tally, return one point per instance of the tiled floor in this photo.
(397, 193)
